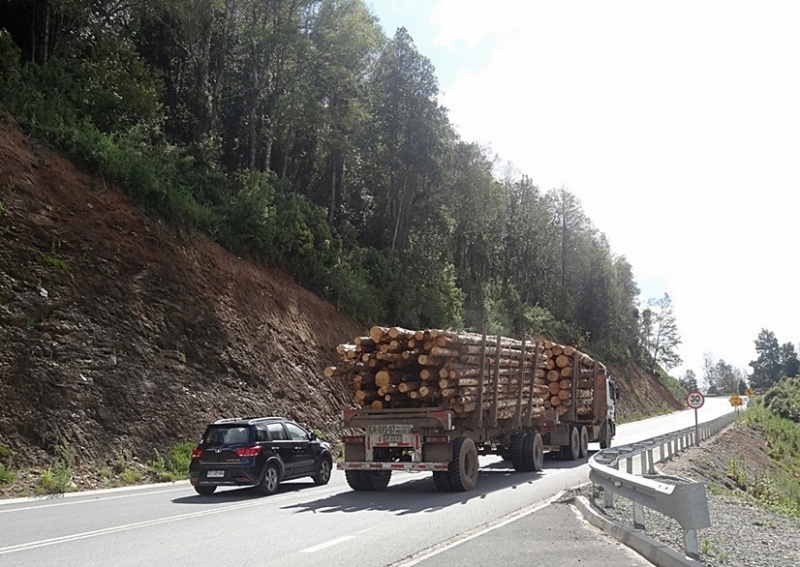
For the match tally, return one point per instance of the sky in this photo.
(676, 123)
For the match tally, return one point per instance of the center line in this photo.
(330, 543)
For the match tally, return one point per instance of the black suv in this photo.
(259, 452)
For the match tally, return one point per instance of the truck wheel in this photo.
(368, 480)
(516, 450)
(605, 435)
(355, 479)
(442, 481)
(584, 442)
(463, 469)
(533, 452)
(572, 451)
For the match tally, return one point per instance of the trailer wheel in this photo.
(368, 480)
(533, 452)
(584, 442)
(515, 451)
(442, 481)
(355, 479)
(572, 451)
(605, 435)
(463, 469)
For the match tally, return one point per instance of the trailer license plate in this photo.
(215, 474)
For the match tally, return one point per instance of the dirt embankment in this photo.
(118, 333)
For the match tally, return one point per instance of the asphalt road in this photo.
(303, 525)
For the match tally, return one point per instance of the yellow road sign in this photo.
(749, 392)
(735, 400)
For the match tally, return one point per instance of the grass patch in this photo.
(53, 261)
(779, 491)
(7, 476)
(57, 479)
(174, 465)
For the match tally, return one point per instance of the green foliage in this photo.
(54, 261)
(57, 479)
(7, 476)
(781, 491)
(334, 162)
(783, 399)
(174, 465)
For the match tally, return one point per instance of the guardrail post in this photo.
(638, 516)
(608, 498)
(651, 467)
(690, 544)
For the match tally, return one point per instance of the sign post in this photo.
(695, 400)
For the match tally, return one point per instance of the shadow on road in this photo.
(499, 475)
(493, 476)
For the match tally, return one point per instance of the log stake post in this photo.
(576, 376)
(518, 413)
(493, 414)
(595, 383)
(528, 414)
(481, 380)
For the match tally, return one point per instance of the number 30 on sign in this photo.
(694, 400)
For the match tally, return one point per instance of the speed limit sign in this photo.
(694, 400)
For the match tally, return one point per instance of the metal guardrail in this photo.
(686, 502)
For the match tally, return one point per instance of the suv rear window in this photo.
(227, 435)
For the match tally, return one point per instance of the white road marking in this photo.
(458, 540)
(327, 544)
(124, 527)
(90, 500)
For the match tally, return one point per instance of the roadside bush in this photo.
(174, 465)
(57, 479)
(783, 399)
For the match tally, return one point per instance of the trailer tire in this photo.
(584, 442)
(516, 451)
(605, 435)
(442, 481)
(368, 480)
(533, 452)
(463, 470)
(572, 451)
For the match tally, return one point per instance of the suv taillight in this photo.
(249, 451)
(196, 452)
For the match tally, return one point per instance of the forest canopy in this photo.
(296, 133)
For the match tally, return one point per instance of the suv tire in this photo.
(269, 480)
(205, 490)
(323, 474)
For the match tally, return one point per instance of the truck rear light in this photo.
(353, 440)
(249, 451)
(197, 452)
(437, 439)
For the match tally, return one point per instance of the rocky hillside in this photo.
(120, 334)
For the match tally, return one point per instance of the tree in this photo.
(689, 381)
(660, 334)
(789, 362)
(767, 367)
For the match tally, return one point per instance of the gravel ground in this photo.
(741, 534)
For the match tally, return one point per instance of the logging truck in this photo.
(435, 400)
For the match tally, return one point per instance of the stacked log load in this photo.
(401, 368)
(570, 378)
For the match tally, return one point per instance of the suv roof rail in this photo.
(268, 418)
(231, 419)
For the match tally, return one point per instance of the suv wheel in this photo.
(269, 480)
(205, 490)
(323, 474)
